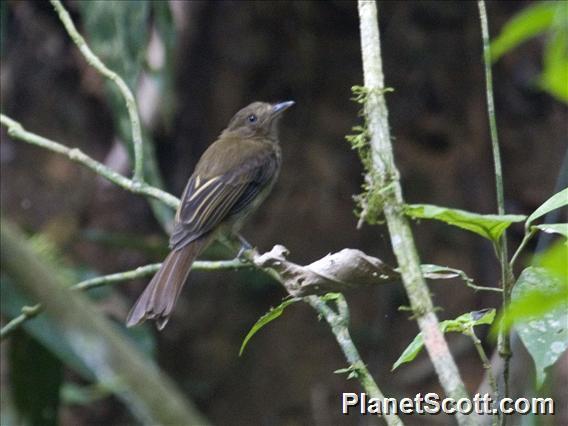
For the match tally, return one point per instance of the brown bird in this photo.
(233, 176)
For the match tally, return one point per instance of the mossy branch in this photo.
(402, 240)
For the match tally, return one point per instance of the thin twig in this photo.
(28, 312)
(142, 271)
(400, 233)
(488, 369)
(126, 93)
(339, 323)
(528, 236)
(507, 278)
(17, 131)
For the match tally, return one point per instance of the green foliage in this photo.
(555, 228)
(353, 371)
(270, 316)
(558, 200)
(543, 298)
(539, 308)
(42, 328)
(118, 32)
(437, 272)
(490, 226)
(462, 324)
(36, 377)
(550, 17)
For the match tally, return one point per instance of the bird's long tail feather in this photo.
(160, 296)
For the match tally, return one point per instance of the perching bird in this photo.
(233, 176)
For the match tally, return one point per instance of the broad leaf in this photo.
(555, 228)
(461, 324)
(265, 319)
(558, 200)
(539, 295)
(490, 226)
(555, 72)
(530, 22)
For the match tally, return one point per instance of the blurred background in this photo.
(192, 65)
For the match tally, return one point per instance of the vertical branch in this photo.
(96, 63)
(387, 176)
(507, 278)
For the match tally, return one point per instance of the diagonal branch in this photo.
(117, 364)
(17, 131)
(126, 93)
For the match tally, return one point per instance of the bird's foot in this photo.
(245, 248)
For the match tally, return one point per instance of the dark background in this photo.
(228, 54)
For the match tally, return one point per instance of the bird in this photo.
(231, 179)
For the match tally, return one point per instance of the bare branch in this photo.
(126, 93)
(17, 131)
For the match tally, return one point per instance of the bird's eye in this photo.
(251, 118)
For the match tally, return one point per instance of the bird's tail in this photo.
(159, 298)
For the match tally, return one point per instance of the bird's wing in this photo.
(207, 201)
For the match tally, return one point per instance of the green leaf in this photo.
(540, 296)
(438, 272)
(555, 228)
(410, 352)
(352, 371)
(35, 377)
(461, 324)
(528, 23)
(118, 33)
(558, 200)
(464, 322)
(490, 226)
(555, 261)
(265, 319)
(554, 76)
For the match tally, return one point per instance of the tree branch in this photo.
(387, 176)
(126, 93)
(17, 131)
(143, 271)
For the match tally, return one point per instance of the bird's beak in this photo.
(279, 108)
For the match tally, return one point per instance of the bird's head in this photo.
(259, 119)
